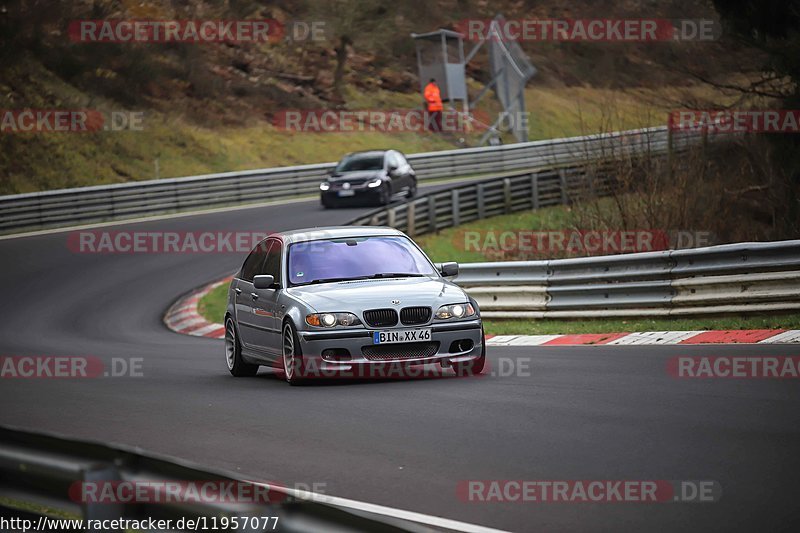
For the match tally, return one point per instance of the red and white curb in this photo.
(745, 336)
(183, 316)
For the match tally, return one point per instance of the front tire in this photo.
(383, 195)
(293, 364)
(412, 191)
(233, 353)
(474, 367)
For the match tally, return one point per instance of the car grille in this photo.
(411, 316)
(380, 318)
(406, 350)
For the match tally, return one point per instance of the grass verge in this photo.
(212, 305)
(452, 244)
(171, 144)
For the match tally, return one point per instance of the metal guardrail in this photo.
(48, 475)
(119, 201)
(736, 278)
(730, 278)
(480, 199)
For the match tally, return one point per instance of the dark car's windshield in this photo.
(360, 162)
(354, 258)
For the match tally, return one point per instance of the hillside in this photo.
(210, 107)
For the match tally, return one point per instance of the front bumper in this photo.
(360, 192)
(446, 334)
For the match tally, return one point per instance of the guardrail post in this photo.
(507, 194)
(670, 148)
(411, 213)
(562, 179)
(456, 207)
(590, 173)
(481, 196)
(391, 217)
(94, 477)
(177, 194)
(432, 226)
(535, 191)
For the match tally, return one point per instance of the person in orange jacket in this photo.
(433, 100)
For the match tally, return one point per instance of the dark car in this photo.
(375, 176)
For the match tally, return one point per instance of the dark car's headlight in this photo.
(375, 183)
(324, 186)
(330, 320)
(455, 311)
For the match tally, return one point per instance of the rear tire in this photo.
(233, 353)
(474, 367)
(293, 363)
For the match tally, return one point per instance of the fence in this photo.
(518, 192)
(731, 278)
(737, 278)
(129, 200)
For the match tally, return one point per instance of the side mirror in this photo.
(265, 281)
(392, 170)
(449, 270)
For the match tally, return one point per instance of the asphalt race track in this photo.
(565, 413)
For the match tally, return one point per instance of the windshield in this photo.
(354, 258)
(360, 162)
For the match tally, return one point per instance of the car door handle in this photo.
(254, 296)
(238, 290)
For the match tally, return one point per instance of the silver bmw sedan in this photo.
(353, 301)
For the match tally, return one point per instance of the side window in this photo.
(255, 261)
(273, 264)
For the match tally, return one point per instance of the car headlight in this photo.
(324, 186)
(455, 311)
(329, 320)
(374, 183)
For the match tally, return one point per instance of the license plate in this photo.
(401, 335)
(346, 192)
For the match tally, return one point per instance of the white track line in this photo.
(187, 322)
(177, 317)
(791, 336)
(655, 337)
(411, 516)
(205, 330)
(520, 340)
